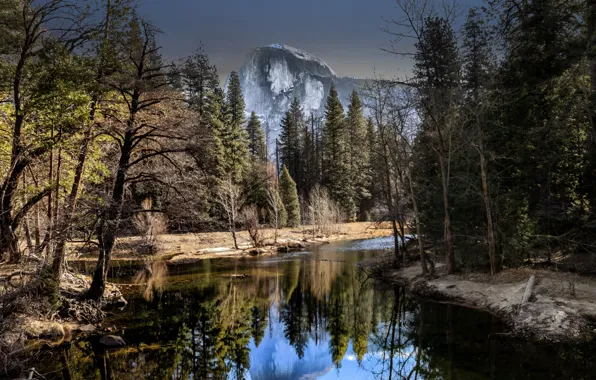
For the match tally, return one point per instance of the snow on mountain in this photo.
(273, 75)
(300, 54)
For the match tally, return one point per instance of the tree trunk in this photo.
(591, 25)
(8, 239)
(27, 226)
(423, 257)
(396, 249)
(108, 226)
(71, 203)
(233, 230)
(591, 107)
(70, 208)
(449, 255)
(49, 212)
(489, 217)
(389, 200)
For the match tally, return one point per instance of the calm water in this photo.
(305, 316)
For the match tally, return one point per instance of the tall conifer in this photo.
(235, 140)
(289, 196)
(336, 156)
(256, 138)
(359, 151)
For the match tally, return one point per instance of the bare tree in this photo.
(276, 210)
(378, 96)
(229, 198)
(437, 91)
(150, 224)
(250, 218)
(149, 129)
(324, 213)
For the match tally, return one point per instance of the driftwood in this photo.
(529, 288)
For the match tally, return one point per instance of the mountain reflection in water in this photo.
(303, 316)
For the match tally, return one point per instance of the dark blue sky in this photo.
(345, 33)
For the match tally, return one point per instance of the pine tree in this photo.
(336, 156)
(437, 73)
(477, 67)
(477, 54)
(371, 170)
(292, 126)
(256, 139)
(235, 100)
(199, 80)
(359, 152)
(308, 166)
(289, 196)
(234, 139)
(215, 160)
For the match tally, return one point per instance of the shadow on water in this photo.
(305, 316)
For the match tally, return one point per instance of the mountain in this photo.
(273, 75)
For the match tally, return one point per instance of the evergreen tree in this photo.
(478, 68)
(235, 100)
(289, 197)
(234, 139)
(258, 323)
(256, 139)
(477, 54)
(371, 170)
(359, 152)
(336, 156)
(292, 127)
(199, 80)
(437, 74)
(308, 167)
(216, 118)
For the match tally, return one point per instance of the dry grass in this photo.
(126, 248)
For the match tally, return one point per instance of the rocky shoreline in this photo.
(560, 307)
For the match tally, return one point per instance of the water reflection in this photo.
(302, 317)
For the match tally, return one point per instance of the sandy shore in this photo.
(186, 248)
(562, 307)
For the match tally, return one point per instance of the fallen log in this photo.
(529, 288)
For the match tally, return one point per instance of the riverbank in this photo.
(78, 315)
(561, 307)
(191, 247)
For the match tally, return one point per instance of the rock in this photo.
(112, 341)
(87, 328)
(256, 251)
(43, 329)
(296, 245)
(272, 76)
(120, 302)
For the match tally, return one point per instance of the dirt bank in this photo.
(187, 248)
(562, 306)
(34, 320)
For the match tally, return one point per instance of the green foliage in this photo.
(256, 138)
(291, 142)
(289, 197)
(359, 153)
(336, 157)
(199, 80)
(234, 139)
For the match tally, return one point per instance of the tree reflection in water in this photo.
(309, 316)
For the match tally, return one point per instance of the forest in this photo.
(482, 157)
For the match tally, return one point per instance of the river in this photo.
(305, 315)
